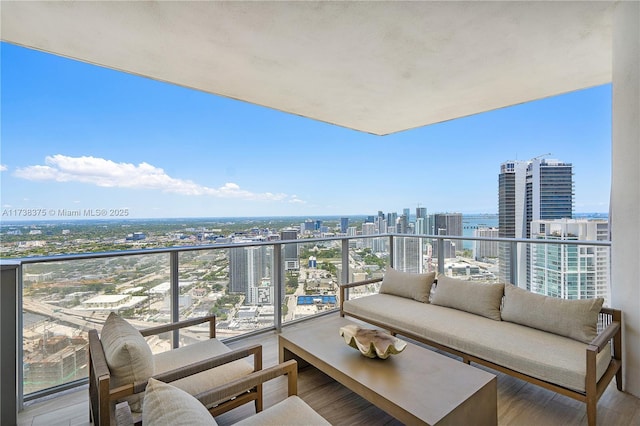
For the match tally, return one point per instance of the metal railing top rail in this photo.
(173, 249)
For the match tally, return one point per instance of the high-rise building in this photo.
(566, 271)
(448, 224)
(408, 254)
(392, 219)
(402, 226)
(344, 225)
(538, 189)
(291, 252)
(248, 266)
(368, 229)
(485, 249)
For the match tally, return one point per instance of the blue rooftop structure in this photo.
(310, 300)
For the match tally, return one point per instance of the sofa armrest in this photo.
(211, 319)
(359, 283)
(605, 336)
(191, 369)
(243, 384)
(344, 287)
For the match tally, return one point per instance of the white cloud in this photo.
(3, 168)
(107, 173)
(295, 200)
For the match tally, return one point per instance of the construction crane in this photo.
(540, 156)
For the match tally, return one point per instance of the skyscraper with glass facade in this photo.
(538, 189)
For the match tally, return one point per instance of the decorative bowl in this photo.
(372, 343)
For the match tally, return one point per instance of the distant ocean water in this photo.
(472, 222)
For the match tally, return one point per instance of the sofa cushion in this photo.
(409, 285)
(167, 405)
(127, 354)
(576, 319)
(291, 411)
(543, 355)
(474, 297)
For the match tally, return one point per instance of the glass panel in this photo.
(245, 290)
(63, 300)
(368, 259)
(472, 260)
(203, 282)
(312, 286)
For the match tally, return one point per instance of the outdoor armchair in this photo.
(167, 405)
(121, 363)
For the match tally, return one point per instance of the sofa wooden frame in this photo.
(101, 395)
(610, 321)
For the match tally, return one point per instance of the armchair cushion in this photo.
(409, 285)
(291, 411)
(176, 358)
(168, 405)
(127, 354)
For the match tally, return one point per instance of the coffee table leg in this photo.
(285, 355)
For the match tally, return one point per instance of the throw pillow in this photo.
(409, 285)
(577, 319)
(474, 297)
(127, 354)
(167, 405)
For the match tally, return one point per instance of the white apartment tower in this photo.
(568, 271)
(408, 254)
(485, 249)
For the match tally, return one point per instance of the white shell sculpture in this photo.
(372, 343)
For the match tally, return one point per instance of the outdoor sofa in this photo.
(572, 347)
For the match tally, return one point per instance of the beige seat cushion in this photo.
(208, 379)
(405, 284)
(469, 296)
(540, 354)
(166, 405)
(127, 354)
(577, 319)
(291, 411)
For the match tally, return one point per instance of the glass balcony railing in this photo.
(251, 287)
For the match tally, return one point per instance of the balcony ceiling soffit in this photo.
(377, 67)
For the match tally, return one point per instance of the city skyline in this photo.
(77, 136)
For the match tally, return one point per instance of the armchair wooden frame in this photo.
(101, 395)
(243, 384)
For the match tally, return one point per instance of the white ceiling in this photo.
(377, 67)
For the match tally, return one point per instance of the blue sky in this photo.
(77, 136)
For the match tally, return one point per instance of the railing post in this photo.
(10, 383)
(391, 253)
(278, 276)
(513, 263)
(345, 265)
(440, 243)
(174, 279)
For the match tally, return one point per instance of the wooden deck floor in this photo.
(519, 403)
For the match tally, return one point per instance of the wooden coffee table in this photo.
(417, 386)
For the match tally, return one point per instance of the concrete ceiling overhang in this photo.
(377, 67)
